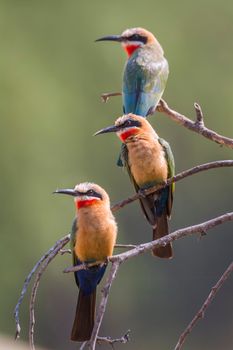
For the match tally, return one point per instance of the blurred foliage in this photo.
(52, 74)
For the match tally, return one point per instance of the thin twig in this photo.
(125, 246)
(124, 339)
(176, 178)
(28, 280)
(201, 313)
(105, 96)
(65, 251)
(194, 126)
(103, 303)
(51, 256)
(83, 266)
(187, 231)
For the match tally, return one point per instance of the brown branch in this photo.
(197, 126)
(187, 231)
(195, 170)
(105, 96)
(28, 280)
(124, 339)
(201, 313)
(59, 245)
(103, 303)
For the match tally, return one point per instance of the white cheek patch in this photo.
(123, 131)
(86, 198)
(132, 43)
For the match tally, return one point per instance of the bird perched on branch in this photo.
(149, 161)
(92, 240)
(145, 73)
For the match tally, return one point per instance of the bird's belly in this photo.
(147, 165)
(94, 245)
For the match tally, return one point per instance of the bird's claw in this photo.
(141, 193)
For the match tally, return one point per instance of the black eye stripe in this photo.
(131, 122)
(94, 194)
(137, 37)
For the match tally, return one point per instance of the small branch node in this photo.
(105, 96)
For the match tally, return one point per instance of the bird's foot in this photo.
(141, 193)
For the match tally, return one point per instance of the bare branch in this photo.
(124, 339)
(103, 303)
(28, 280)
(197, 127)
(187, 231)
(57, 247)
(83, 266)
(176, 178)
(65, 251)
(105, 96)
(201, 313)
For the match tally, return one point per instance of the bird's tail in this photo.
(84, 317)
(159, 231)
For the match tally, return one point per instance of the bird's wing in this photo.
(143, 84)
(72, 244)
(125, 162)
(171, 171)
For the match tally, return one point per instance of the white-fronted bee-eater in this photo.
(93, 238)
(149, 161)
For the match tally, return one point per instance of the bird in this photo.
(145, 72)
(149, 161)
(93, 237)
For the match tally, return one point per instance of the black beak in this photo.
(67, 191)
(117, 38)
(112, 128)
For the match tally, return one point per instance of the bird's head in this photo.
(132, 39)
(128, 126)
(86, 194)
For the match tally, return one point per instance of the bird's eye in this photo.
(90, 192)
(128, 122)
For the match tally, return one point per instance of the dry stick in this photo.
(124, 339)
(197, 126)
(201, 313)
(27, 281)
(59, 246)
(103, 303)
(176, 178)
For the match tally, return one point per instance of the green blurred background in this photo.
(52, 74)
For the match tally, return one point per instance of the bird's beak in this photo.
(112, 128)
(68, 191)
(117, 38)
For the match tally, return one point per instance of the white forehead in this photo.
(122, 119)
(131, 31)
(125, 117)
(84, 187)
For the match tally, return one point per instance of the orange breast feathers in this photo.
(96, 234)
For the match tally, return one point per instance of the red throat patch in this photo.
(85, 203)
(128, 133)
(130, 49)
